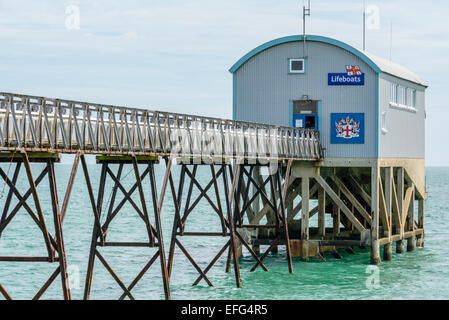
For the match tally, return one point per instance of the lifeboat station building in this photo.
(370, 113)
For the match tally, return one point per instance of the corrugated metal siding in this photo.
(406, 132)
(264, 88)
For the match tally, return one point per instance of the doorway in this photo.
(305, 114)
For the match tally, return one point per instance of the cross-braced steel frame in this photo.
(54, 126)
(232, 216)
(276, 202)
(54, 244)
(100, 230)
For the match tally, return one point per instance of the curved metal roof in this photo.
(377, 64)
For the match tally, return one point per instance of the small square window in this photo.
(296, 66)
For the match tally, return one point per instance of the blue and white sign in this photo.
(348, 128)
(352, 77)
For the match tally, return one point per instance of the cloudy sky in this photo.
(174, 55)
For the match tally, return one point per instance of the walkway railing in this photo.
(65, 126)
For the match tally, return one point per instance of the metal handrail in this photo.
(66, 126)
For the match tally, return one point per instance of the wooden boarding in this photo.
(126, 159)
(32, 157)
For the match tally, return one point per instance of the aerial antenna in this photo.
(391, 37)
(364, 25)
(305, 13)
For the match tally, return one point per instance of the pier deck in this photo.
(263, 180)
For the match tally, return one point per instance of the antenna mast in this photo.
(391, 37)
(305, 13)
(364, 25)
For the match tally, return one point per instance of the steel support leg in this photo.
(55, 245)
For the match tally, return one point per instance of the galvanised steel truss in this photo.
(56, 125)
(39, 129)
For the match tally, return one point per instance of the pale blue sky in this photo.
(174, 55)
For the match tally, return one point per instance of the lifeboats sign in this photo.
(352, 77)
(348, 128)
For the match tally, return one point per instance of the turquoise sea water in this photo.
(422, 274)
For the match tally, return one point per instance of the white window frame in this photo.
(402, 95)
(393, 92)
(296, 71)
(406, 97)
(402, 98)
(413, 98)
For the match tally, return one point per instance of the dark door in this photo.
(305, 114)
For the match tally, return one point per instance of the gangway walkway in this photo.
(39, 129)
(65, 126)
